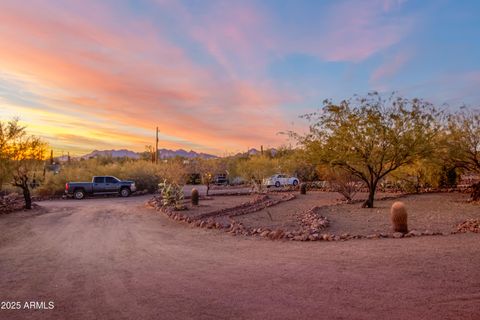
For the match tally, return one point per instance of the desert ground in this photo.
(114, 258)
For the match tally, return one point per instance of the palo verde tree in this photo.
(22, 156)
(208, 168)
(371, 136)
(463, 139)
(256, 168)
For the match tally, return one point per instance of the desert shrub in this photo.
(475, 196)
(54, 184)
(448, 177)
(343, 182)
(174, 171)
(418, 176)
(146, 174)
(297, 163)
(171, 193)
(399, 217)
(257, 168)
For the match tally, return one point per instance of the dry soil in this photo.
(115, 259)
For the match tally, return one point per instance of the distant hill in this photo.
(253, 152)
(163, 153)
(123, 153)
(166, 153)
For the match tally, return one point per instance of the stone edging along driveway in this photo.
(312, 225)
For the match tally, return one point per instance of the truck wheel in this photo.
(295, 182)
(79, 194)
(277, 184)
(125, 192)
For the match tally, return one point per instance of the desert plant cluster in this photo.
(372, 142)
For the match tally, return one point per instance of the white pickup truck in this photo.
(278, 180)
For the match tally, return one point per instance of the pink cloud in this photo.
(93, 59)
(236, 34)
(241, 36)
(359, 30)
(131, 73)
(390, 66)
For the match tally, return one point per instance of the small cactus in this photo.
(398, 214)
(303, 188)
(195, 197)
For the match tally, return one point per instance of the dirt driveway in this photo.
(115, 259)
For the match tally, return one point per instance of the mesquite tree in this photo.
(21, 156)
(9, 131)
(463, 138)
(371, 136)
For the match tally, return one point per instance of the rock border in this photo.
(11, 202)
(258, 203)
(469, 225)
(312, 223)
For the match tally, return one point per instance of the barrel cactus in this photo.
(195, 197)
(398, 215)
(303, 188)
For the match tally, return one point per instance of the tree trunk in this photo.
(27, 196)
(371, 196)
(475, 196)
(208, 188)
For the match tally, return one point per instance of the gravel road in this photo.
(114, 258)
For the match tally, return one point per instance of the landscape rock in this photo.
(277, 234)
(11, 202)
(310, 222)
(415, 233)
(264, 233)
(427, 233)
(470, 225)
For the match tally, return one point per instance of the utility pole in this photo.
(156, 148)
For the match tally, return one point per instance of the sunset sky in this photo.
(221, 76)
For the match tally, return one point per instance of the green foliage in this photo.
(257, 168)
(172, 194)
(463, 139)
(448, 177)
(207, 169)
(296, 162)
(174, 170)
(371, 136)
(418, 176)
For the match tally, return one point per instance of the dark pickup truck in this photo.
(100, 185)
